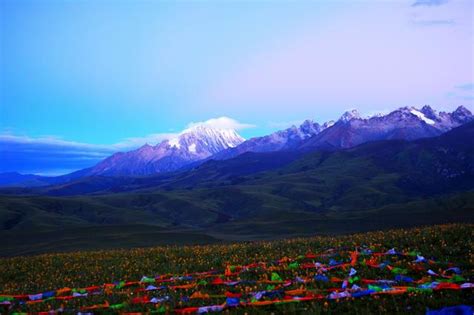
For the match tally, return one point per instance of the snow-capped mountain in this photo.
(444, 121)
(349, 115)
(287, 139)
(351, 129)
(407, 123)
(193, 144)
(202, 142)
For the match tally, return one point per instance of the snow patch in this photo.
(175, 143)
(221, 123)
(422, 117)
(328, 124)
(349, 115)
(192, 148)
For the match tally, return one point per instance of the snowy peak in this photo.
(442, 121)
(193, 144)
(422, 116)
(205, 139)
(309, 128)
(429, 112)
(407, 123)
(214, 139)
(349, 115)
(286, 139)
(462, 115)
(226, 138)
(404, 115)
(328, 124)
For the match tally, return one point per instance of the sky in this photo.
(80, 80)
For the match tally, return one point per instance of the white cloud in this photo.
(463, 92)
(466, 87)
(54, 172)
(222, 123)
(49, 140)
(429, 3)
(449, 14)
(48, 155)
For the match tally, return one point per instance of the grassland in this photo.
(443, 246)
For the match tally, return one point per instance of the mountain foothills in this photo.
(410, 167)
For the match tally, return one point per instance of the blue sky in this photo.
(94, 77)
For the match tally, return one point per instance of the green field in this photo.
(128, 220)
(443, 247)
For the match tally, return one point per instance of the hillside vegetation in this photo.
(377, 185)
(391, 275)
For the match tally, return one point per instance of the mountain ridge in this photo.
(407, 123)
(238, 170)
(379, 184)
(193, 144)
(200, 143)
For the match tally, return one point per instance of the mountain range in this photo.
(202, 143)
(409, 167)
(256, 195)
(407, 123)
(193, 144)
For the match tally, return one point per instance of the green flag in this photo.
(276, 277)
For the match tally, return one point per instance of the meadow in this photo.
(395, 271)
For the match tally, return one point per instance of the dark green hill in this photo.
(373, 186)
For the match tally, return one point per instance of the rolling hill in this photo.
(264, 195)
